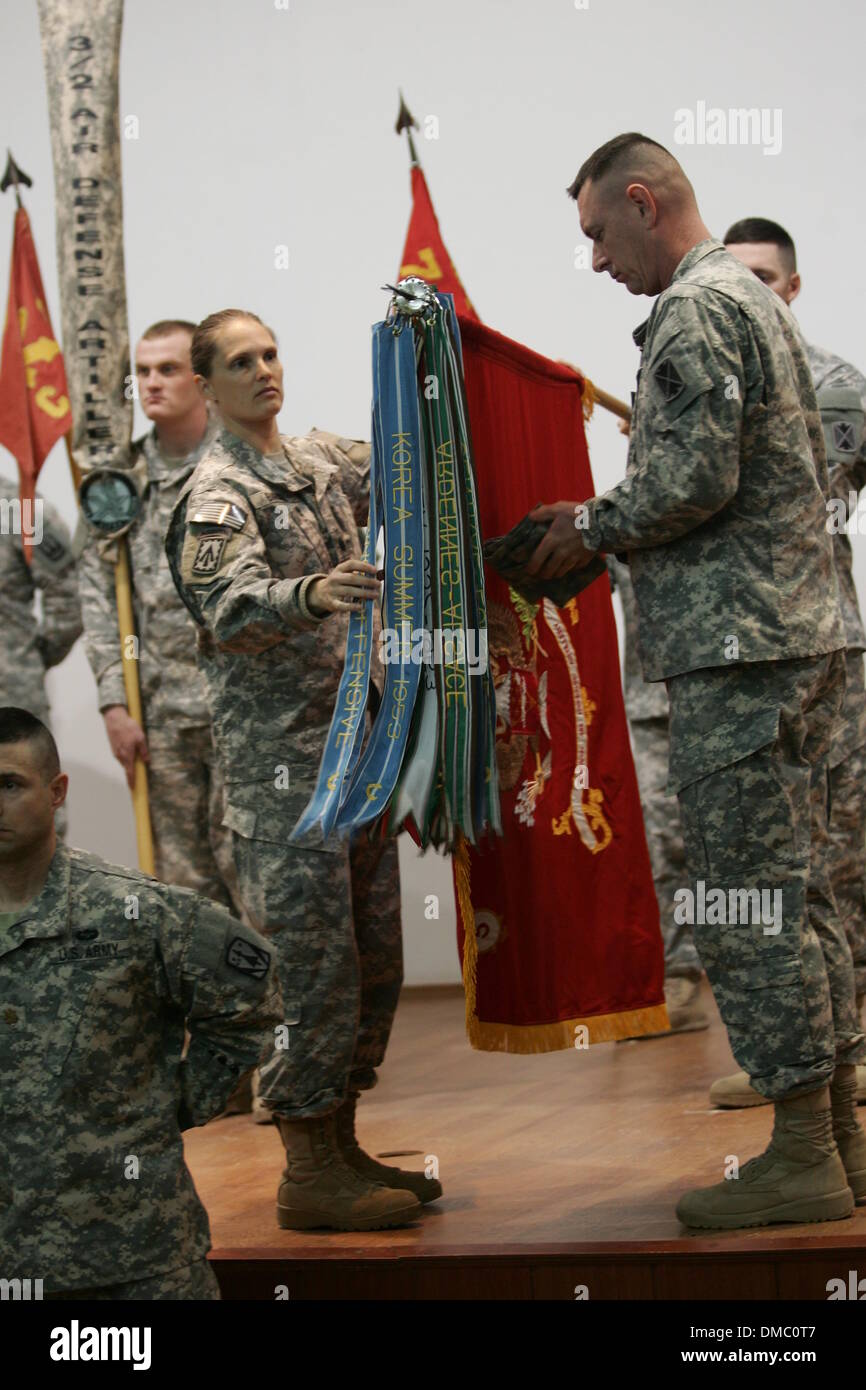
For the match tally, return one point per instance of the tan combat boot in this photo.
(686, 1013)
(735, 1092)
(799, 1177)
(425, 1189)
(320, 1189)
(850, 1139)
(685, 1008)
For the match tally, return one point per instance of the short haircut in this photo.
(163, 327)
(20, 726)
(607, 156)
(206, 337)
(755, 230)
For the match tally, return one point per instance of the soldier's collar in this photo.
(640, 332)
(159, 469)
(48, 914)
(292, 472)
(697, 253)
(690, 259)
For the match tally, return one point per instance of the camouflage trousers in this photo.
(848, 815)
(334, 918)
(748, 760)
(191, 846)
(661, 818)
(196, 1282)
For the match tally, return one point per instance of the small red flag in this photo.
(424, 253)
(34, 399)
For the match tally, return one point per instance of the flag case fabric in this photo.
(564, 945)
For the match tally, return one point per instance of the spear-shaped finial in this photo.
(13, 177)
(406, 121)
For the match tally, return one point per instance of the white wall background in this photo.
(262, 125)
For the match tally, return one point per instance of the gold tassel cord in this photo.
(593, 396)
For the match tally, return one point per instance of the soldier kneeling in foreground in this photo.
(101, 969)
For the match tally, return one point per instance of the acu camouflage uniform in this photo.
(191, 847)
(99, 976)
(722, 514)
(646, 706)
(841, 390)
(248, 536)
(30, 645)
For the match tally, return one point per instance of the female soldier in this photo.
(265, 551)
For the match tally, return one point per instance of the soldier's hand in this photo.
(126, 738)
(562, 549)
(345, 588)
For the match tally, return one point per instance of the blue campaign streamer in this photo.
(398, 428)
(343, 744)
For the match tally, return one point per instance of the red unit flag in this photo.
(34, 401)
(424, 254)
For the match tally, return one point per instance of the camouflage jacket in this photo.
(722, 510)
(98, 978)
(29, 646)
(248, 535)
(643, 699)
(172, 687)
(846, 456)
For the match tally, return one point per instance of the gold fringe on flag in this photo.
(535, 1037)
(470, 941)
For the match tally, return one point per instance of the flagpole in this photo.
(595, 395)
(126, 631)
(406, 121)
(132, 687)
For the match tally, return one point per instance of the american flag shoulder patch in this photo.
(221, 514)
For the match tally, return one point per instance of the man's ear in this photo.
(204, 387)
(640, 196)
(793, 289)
(59, 788)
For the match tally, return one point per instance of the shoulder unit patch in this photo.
(248, 958)
(209, 553)
(670, 383)
(844, 437)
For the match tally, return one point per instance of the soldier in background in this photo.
(101, 971)
(265, 549)
(191, 846)
(722, 514)
(646, 705)
(768, 250)
(30, 644)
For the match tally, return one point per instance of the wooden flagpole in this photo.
(126, 631)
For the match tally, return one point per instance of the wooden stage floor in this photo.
(560, 1170)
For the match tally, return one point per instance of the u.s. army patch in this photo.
(844, 437)
(670, 383)
(248, 958)
(209, 554)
